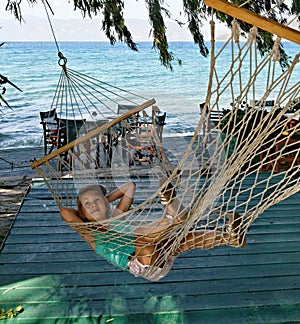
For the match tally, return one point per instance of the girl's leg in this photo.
(146, 250)
(234, 235)
(201, 240)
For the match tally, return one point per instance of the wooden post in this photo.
(255, 20)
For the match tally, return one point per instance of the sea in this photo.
(33, 67)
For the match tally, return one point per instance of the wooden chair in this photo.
(54, 135)
(144, 142)
(211, 120)
(159, 122)
(286, 151)
(133, 120)
(284, 154)
(71, 130)
(140, 144)
(288, 154)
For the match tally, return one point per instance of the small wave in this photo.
(3, 137)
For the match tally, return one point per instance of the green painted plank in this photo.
(204, 260)
(275, 228)
(273, 237)
(243, 187)
(104, 277)
(37, 201)
(47, 230)
(33, 219)
(59, 291)
(20, 247)
(45, 247)
(246, 182)
(246, 186)
(31, 225)
(281, 211)
(99, 272)
(81, 245)
(278, 218)
(259, 315)
(23, 220)
(59, 245)
(149, 304)
(39, 215)
(73, 236)
(255, 315)
(91, 273)
(144, 193)
(39, 211)
(63, 228)
(58, 238)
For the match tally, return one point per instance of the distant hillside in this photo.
(37, 29)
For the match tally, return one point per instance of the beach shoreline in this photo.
(15, 178)
(12, 192)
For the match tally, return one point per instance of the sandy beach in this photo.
(12, 191)
(15, 179)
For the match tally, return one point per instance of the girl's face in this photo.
(95, 207)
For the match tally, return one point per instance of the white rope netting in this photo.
(230, 172)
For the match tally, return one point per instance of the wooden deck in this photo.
(51, 272)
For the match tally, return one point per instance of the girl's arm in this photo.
(70, 215)
(126, 193)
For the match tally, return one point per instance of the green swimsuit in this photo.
(115, 244)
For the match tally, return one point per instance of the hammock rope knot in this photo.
(276, 50)
(62, 61)
(236, 30)
(252, 34)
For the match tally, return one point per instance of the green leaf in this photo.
(10, 313)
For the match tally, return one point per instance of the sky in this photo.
(63, 9)
(70, 25)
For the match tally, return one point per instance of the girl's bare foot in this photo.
(173, 209)
(167, 193)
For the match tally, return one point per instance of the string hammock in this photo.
(244, 163)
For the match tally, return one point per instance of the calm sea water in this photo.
(33, 67)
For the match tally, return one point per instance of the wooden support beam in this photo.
(255, 19)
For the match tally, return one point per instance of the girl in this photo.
(142, 250)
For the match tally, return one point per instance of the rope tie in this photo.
(276, 50)
(62, 61)
(252, 34)
(236, 32)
